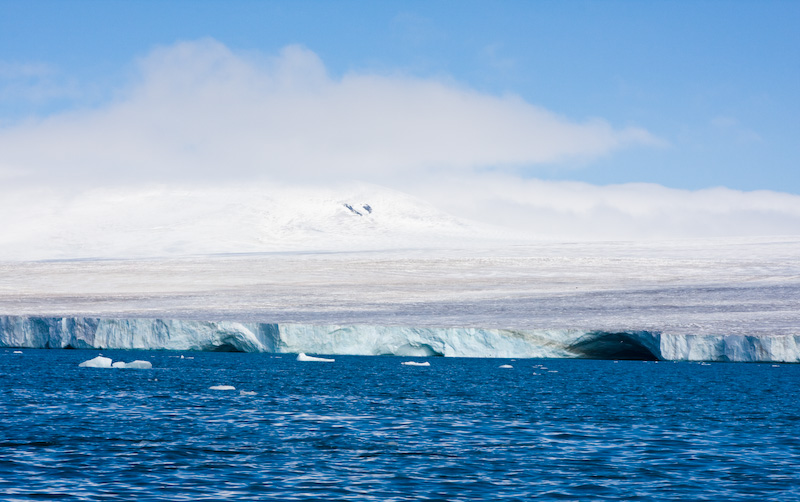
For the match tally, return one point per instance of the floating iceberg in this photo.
(506, 366)
(222, 387)
(302, 357)
(159, 334)
(97, 362)
(105, 362)
(133, 365)
(415, 363)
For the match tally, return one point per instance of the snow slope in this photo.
(165, 221)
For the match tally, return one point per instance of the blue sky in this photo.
(441, 99)
(718, 81)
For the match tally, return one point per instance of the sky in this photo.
(688, 105)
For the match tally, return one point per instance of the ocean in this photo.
(370, 428)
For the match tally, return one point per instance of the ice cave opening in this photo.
(622, 346)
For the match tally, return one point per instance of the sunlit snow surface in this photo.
(743, 286)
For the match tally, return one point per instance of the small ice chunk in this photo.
(302, 357)
(97, 362)
(415, 363)
(133, 365)
(222, 387)
(139, 365)
(247, 393)
(17, 352)
(506, 366)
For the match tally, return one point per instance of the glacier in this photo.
(196, 335)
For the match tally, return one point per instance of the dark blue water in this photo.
(367, 428)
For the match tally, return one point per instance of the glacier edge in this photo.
(192, 335)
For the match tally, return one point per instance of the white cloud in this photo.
(199, 111)
(208, 122)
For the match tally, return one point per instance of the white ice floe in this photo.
(133, 365)
(247, 393)
(97, 362)
(139, 365)
(415, 363)
(506, 366)
(222, 387)
(17, 352)
(106, 362)
(305, 358)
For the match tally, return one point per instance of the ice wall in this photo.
(157, 334)
(148, 334)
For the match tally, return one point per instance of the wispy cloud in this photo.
(731, 126)
(15, 71)
(492, 55)
(32, 83)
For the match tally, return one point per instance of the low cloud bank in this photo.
(574, 210)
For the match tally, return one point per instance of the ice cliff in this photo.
(157, 334)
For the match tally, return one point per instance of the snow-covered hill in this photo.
(164, 221)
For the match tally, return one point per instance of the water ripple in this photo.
(362, 429)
